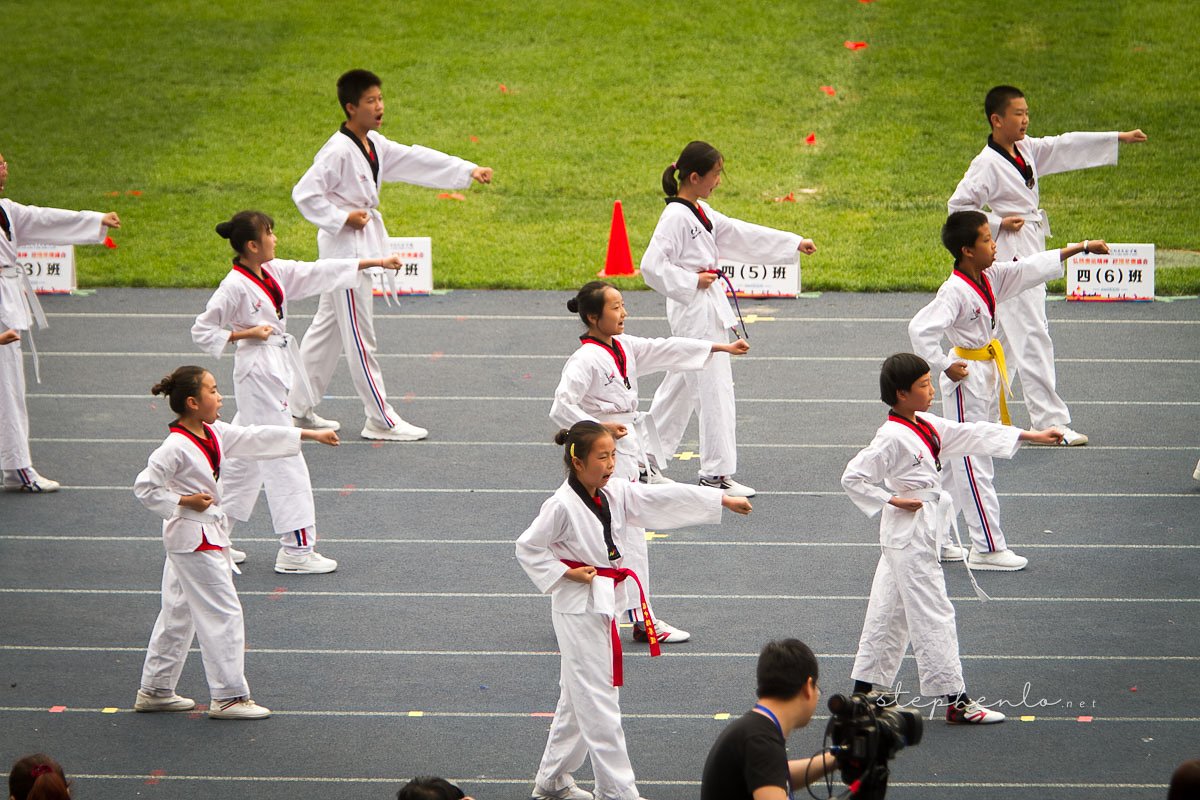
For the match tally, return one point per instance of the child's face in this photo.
(705, 184)
(984, 251)
(612, 319)
(919, 397)
(206, 406)
(266, 245)
(1011, 124)
(367, 114)
(597, 468)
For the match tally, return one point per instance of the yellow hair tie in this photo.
(572, 449)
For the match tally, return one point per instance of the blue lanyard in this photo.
(775, 719)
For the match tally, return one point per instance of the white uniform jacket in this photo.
(994, 185)
(682, 247)
(567, 529)
(35, 225)
(592, 386)
(341, 180)
(962, 312)
(900, 459)
(240, 303)
(179, 467)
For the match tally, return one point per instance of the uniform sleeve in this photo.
(302, 279)
(926, 330)
(212, 329)
(975, 438)
(533, 547)
(34, 224)
(421, 166)
(1069, 151)
(750, 243)
(974, 193)
(673, 353)
(311, 194)
(259, 442)
(659, 267)
(1013, 277)
(863, 473)
(573, 386)
(150, 486)
(667, 506)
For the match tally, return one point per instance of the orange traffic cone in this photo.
(619, 261)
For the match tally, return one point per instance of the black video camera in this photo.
(865, 737)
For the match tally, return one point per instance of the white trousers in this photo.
(909, 604)
(14, 417)
(198, 599)
(1024, 332)
(588, 717)
(345, 323)
(711, 391)
(262, 400)
(636, 555)
(969, 479)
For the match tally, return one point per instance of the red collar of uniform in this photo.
(926, 432)
(616, 351)
(267, 283)
(983, 289)
(209, 446)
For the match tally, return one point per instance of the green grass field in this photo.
(206, 108)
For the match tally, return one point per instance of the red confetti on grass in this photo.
(864, 2)
(57, 709)
(790, 197)
(347, 490)
(503, 89)
(855, 45)
(810, 139)
(829, 90)
(109, 243)
(112, 194)
(459, 196)
(155, 774)
(475, 139)
(135, 192)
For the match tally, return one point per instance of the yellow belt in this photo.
(992, 351)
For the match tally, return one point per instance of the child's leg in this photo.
(170, 639)
(885, 630)
(969, 479)
(718, 417)
(1025, 335)
(207, 584)
(672, 407)
(319, 351)
(931, 627)
(356, 320)
(14, 417)
(585, 641)
(565, 747)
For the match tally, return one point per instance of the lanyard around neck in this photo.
(775, 719)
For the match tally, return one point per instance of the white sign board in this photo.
(762, 280)
(1125, 274)
(50, 267)
(416, 274)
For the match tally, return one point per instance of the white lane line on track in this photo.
(442, 490)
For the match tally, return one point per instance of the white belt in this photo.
(1039, 217)
(11, 272)
(291, 347)
(944, 517)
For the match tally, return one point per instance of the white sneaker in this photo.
(150, 702)
(1071, 438)
(1196, 474)
(238, 556)
(570, 792)
(999, 561)
(237, 708)
(315, 422)
(652, 476)
(952, 553)
(310, 563)
(400, 432)
(972, 714)
(28, 480)
(728, 485)
(667, 633)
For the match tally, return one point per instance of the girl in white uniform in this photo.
(19, 311)
(908, 596)
(574, 551)
(180, 484)
(250, 308)
(1004, 181)
(600, 383)
(340, 195)
(680, 263)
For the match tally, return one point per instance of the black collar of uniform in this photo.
(5, 224)
(616, 351)
(369, 154)
(598, 505)
(695, 209)
(1026, 170)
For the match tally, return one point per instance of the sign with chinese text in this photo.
(50, 267)
(1125, 274)
(416, 274)
(762, 280)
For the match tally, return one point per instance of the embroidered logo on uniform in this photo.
(255, 306)
(918, 459)
(694, 231)
(610, 379)
(976, 313)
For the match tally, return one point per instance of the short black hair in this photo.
(429, 788)
(961, 230)
(898, 374)
(998, 98)
(353, 85)
(784, 667)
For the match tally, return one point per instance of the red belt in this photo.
(618, 575)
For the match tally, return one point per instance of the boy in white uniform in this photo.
(908, 596)
(965, 313)
(340, 195)
(19, 311)
(1004, 180)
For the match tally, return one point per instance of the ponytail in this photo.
(698, 158)
(181, 384)
(38, 777)
(579, 440)
(245, 227)
(589, 301)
